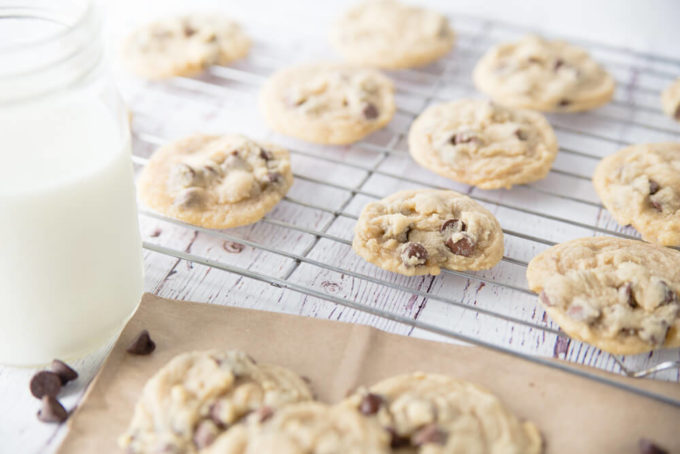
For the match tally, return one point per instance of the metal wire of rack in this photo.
(262, 63)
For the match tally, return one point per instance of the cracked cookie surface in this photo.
(391, 35)
(327, 103)
(197, 396)
(617, 294)
(421, 231)
(640, 186)
(436, 414)
(535, 73)
(483, 144)
(183, 46)
(670, 100)
(306, 428)
(216, 181)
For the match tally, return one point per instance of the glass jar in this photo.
(70, 249)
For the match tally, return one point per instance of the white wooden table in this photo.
(332, 184)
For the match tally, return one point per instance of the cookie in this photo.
(387, 34)
(670, 100)
(421, 231)
(640, 186)
(306, 428)
(183, 46)
(327, 103)
(483, 144)
(216, 181)
(430, 413)
(199, 395)
(619, 295)
(551, 76)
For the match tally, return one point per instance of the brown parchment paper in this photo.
(575, 415)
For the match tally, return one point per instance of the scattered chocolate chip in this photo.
(463, 137)
(370, 404)
(656, 205)
(63, 370)
(370, 111)
(544, 299)
(677, 113)
(629, 331)
(429, 434)
(396, 440)
(669, 294)
(189, 30)
(414, 254)
(45, 383)
(234, 153)
(653, 187)
(465, 246)
(453, 224)
(267, 156)
(558, 63)
(156, 233)
(142, 345)
(273, 177)
(205, 434)
(51, 410)
(264, 413)
(649, 447)
(564, 103)
(214, 414)
(627, 291)
(521, 135)
(232, 247)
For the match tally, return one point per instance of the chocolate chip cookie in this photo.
(535, 73)
(183, 46)
(670, 100)
(429, 413)
(421, 231)
(640, 186)
(619, 295)
(388, 34)
(483, 144)
(216, 181)
(197, 396)
(306, 428)
(327, 103)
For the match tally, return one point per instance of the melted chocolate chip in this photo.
(370, 404)
(564, 103)
(63, 370)
(653, 187)
(677, 113)
(274, 177)
(191, 197)
(45, 383)
(649, 447)
(214, 414)
(429, 434)
(189, 31)
(142, 344)
(267, 156)
(627, 290)
(51, 410)
(205, 434)
(453, 224)
(396, 440)
(370, 111)
(656, 205)
(521, 135)
(669, 294)
(465, 246)
(558, 63)
(463, 137)
(414, 254)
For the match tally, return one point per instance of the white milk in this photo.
(70, 250)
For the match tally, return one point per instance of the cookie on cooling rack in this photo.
(483, 144)
(535, 73)
(307, 427)
(421, 231)
(388, 34)
(640, 186)
(670, 100)
(216, 181)
(327, 103)
(197, 396)
(617, 294)
(183, 46)
(430, 413)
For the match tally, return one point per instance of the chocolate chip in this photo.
(234, 153)
(370, 111)
(429, 434)
(677, 113)
(396, 440)
(453, 224)
(544, 299)
(189, 31)
(414, 254)
(656, 205)
(558, 63)
(142, 345)
(465, 246)
(267, 156)
(649, 447)
(214, 413)
(63, 370)
(535, 60)
(156, 233)
(190, 197)
(521, 135)
(627, 291)
(205, 434)
(370, 404)
(564, 103)
(45, 383)
(273, 177)
(669, 294)
(264, 413)
(463, 137)
(653, 187)
(51, 410)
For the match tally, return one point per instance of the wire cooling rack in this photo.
(335, 182)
